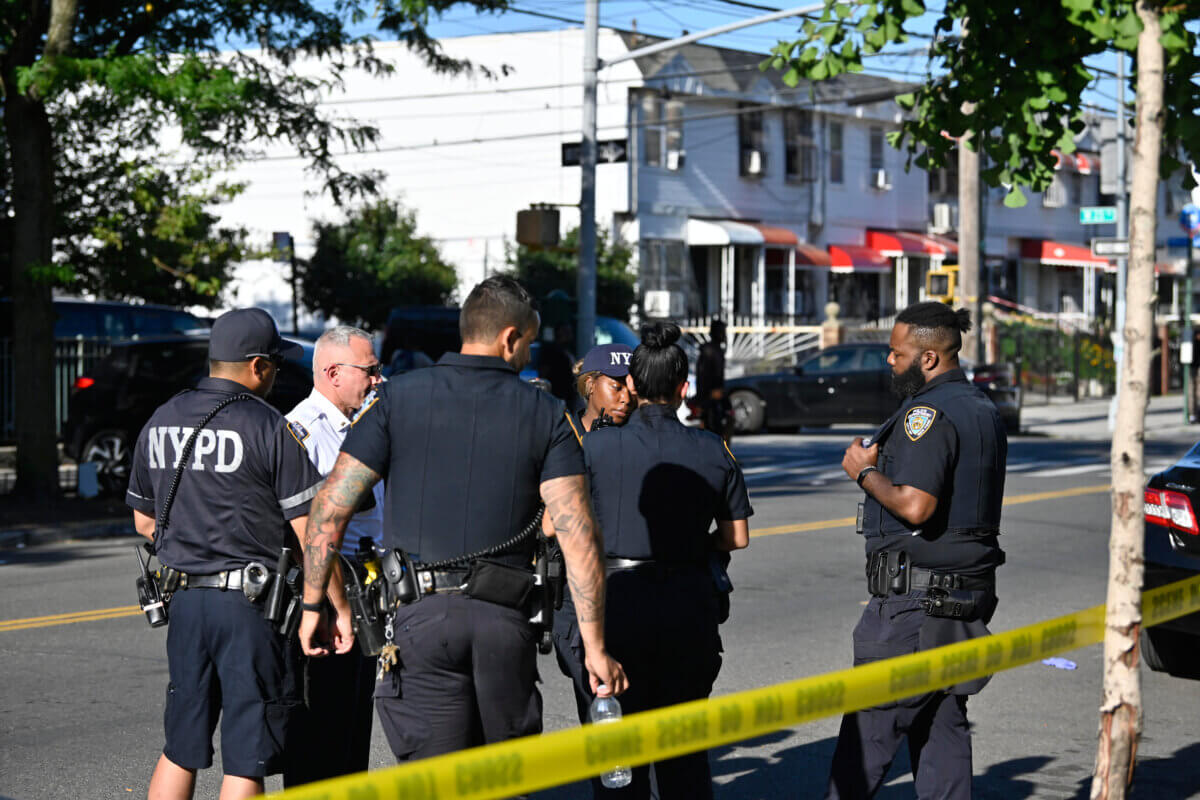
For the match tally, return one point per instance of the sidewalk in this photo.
(1088, 419)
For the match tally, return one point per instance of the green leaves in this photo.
(1015, 198)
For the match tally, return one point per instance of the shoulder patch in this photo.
(918, 421)
(364, 410)
(298, 432)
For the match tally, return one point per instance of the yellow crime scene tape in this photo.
(552, 759)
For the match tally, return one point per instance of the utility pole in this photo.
(1122, 233)
(968, 238)
(585, 318)
(586, 284)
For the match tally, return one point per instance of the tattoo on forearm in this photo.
(334, 505)
(570, 509)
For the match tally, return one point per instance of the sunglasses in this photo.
(276, 359)
(372, 370)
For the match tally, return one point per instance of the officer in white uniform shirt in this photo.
(339, 688)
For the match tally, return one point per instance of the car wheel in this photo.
(748, 412)
(110, 451)
(1172, 652)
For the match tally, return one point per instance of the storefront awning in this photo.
(856, 258)
(776, 237)
(1060, 254)
(721, 232)
(808, 255)
(908, 243)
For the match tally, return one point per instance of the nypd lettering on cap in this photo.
(918, 421)
(618, 359)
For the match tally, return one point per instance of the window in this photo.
(662, 132)
(876, 148)
(835, 152)
(944, 180)
(873, 359)
(800, 153)
(752, 152)
(1055, 195)
(831, 361)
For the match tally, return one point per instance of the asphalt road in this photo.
(81, 702)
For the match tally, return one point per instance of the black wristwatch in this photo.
(863, 475)
(318, 607)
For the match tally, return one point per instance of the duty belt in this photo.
(440, 581)
(890, 572)
(229, 579)
(659, 568)
(920, 578)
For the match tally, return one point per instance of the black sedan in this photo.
(110, 405)
(1172, 554)
(845, 383)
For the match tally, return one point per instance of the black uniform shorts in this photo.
(228, 663)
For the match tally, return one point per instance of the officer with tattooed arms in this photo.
(465, 448)
(218, 477)
(934, 480)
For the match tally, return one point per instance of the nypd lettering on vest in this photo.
(215, 449)
(918, 421)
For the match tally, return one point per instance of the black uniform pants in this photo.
(466, 676)
(661, 625)
(338, 691)
(939, 738)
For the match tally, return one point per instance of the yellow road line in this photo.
(20, 625)
(1008, 501)
(129, 611)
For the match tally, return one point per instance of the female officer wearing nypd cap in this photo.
(600, 381)
(658, 487)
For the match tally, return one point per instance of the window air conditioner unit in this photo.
(675, 159)
(754, 162)
(943, 217)
(882, 180)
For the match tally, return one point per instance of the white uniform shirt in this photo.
(323, 427)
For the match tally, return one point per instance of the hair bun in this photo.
(659, 335)
(962, 318)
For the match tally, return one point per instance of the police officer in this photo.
(710, 382)
(657, 487)
(466, 448)
(608, 401)
(242, 478)
(338, 689)
(934, 481)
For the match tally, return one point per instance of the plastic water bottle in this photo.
(607, 709)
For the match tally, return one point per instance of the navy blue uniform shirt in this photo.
(247, 476)
(948, 441)
(657, 486)
(464, 447)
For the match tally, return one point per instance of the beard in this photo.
(909, 382)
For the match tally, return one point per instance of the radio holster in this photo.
(150, 594)
(887, 573)
(548, 573)
(366, 594)
(949, 603)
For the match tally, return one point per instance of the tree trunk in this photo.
(1121, 708)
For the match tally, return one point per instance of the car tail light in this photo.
(1172, 510)
(83, 382)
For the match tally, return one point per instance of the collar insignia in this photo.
(918, 421)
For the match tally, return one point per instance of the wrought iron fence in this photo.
(1055, 362)
(72, 358)
(751, 347)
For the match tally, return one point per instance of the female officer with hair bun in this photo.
(658, 487)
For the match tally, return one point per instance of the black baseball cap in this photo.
(244, 333)
(608, 359)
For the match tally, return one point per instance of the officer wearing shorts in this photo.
(465, 448)
(660, 489)
(246, 479)
(934, 481)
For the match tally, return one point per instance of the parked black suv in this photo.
(112, 402)
(1172, 554)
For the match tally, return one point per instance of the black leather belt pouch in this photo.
(887, 573)
(498, 583)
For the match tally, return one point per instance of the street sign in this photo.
(1103, 247)
(1098, 215)
(608, 151)
(1181, 242)
(1189, 219)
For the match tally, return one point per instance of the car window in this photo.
(174, 363)
(75, 321)
(831, 361)
(873, 359)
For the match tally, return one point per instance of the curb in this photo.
(27, 536)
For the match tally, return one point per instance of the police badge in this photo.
(918, 421)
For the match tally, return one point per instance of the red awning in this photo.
(1060, 254)
(777, 237)
(905, 243)
(856, 258)
(809, 255)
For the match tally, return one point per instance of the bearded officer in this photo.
(933, 475)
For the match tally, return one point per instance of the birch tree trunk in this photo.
(1121, 708)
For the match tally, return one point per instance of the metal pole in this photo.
(1122, 233)
(295, 302)
(585, 320)
(1185, 339)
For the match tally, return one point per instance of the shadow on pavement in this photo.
(48, 557)
(1176, 776)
